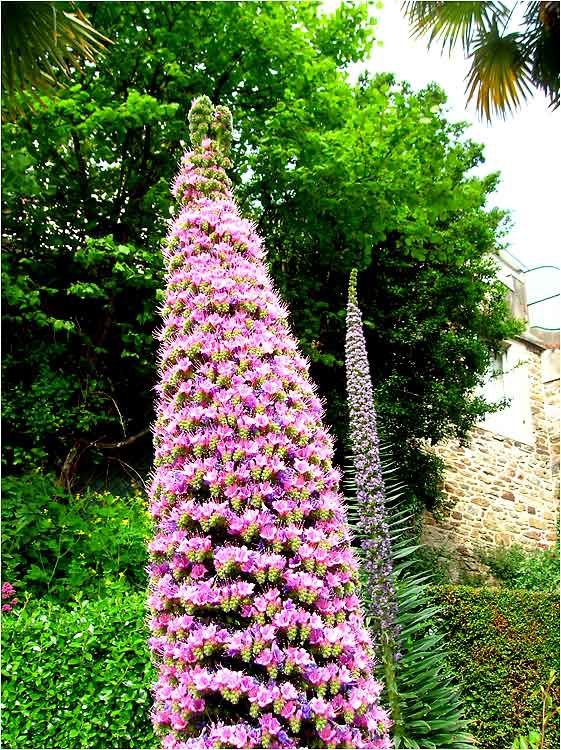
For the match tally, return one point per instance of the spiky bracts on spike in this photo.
(375, 537)
(208, 122)
(256, 624)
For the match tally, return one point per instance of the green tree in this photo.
(86, 199)
(336, 175)
(377, 178)
(505, 63)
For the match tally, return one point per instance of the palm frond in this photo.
(452, 22)
(541, 46)
(500, 75)
(42, 41)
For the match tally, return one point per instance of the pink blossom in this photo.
(269, 724)
(251, 548)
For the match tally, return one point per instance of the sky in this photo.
(525, 148)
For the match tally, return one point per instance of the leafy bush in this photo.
(77, 677)
(501, 645)
(60, 546)
(518, 568)
(80, 677)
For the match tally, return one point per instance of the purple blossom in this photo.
(9, 600)
(251, 548)
(376, 544)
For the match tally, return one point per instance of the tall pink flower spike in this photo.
(257, 628)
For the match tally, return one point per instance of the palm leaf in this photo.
(42, 41)
(500, 75)
(451, 22)
(541, 46)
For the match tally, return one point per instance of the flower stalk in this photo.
(380, 599)
(257, 628)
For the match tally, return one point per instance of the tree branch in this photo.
(70, 465)
(83, 181)
(120, 443)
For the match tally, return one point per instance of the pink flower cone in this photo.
(257, 629)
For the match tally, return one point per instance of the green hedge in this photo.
(77, 678)
(502, 645)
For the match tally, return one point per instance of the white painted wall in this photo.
(511, 380)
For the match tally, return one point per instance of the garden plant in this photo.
(257, 626)
(424, 703)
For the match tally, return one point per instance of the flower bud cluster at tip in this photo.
(257, 629)
(202, 173)
(353, 299)
(375, 537)
(209, 122)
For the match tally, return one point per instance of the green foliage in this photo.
(91, 327)
(532, 740)
(501, 646)
(61, 547)
(336, 176)
(432, 707)
(536, 738)
(78, 677)
(519, 568)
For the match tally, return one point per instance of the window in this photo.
(508, 378)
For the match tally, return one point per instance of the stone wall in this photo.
(550, 376)
(502, 489)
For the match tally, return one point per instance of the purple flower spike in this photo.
(251, 551)
(376, 544)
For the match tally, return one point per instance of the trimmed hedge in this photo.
(77, 678)
(501, 646)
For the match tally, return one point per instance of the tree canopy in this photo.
(336, 175)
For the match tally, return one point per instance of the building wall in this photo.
(511, 380)
(502, 484)
(550, 376)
